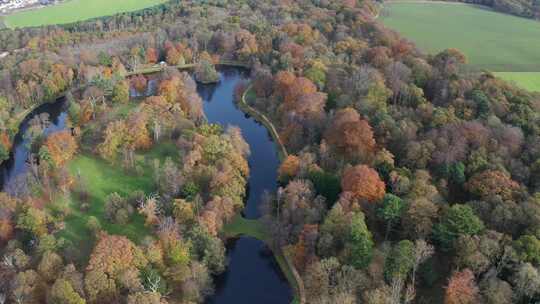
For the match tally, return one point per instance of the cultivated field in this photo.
(526, 80)
(491, 40)
(75, 10)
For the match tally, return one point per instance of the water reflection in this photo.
(16, 167)
(253, 275)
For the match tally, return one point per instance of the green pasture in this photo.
(74, 10)
(526, 80)
(491, 40)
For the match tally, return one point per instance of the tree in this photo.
(149, 209)
(246, 44)
(104, 59)
(151, 55)
(350, 136)
(34, 221)
(492, 182)
(449, 61)
(50, 266)
(174, 57)
(364, 183)
(61, 147)
(317, 74)
(390, 211)
(27, 288)
(526, 280)
(205, 72)
(139, 82)
(360, 243)
(400, 261)
(496, 291)
(289, 168)
(461, 288)
(144, 298)
(459, 219)
(121, 92)
(528, 249)
(112, 257)
(419, 218)
(326, 184)
(63, 293)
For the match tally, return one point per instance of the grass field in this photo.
(242, 226)
(526, 80)
(75, 10)
(491, 40)
(103, 179)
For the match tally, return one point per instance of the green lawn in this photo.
(75, 10)
(491, 40)
(102, 179)
(242, 226)
(526, 80)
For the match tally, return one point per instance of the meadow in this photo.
(526, 80)
(74, 10)
(490, 40)
(102, 179)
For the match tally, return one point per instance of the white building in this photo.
(11, 5)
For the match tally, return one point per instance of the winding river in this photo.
(12, 170)
(252, 275)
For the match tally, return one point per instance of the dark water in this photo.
(17, 165)
(220, 108)
(253, 275)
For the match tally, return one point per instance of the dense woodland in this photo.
(409, 179)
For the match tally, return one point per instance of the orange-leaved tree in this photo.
(461, 288)
(364, 183)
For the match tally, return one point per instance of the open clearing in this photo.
(491, 40)
(75, 10)
(102, 179)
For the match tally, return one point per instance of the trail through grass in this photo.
(75, 10)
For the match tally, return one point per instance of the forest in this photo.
(407, 179)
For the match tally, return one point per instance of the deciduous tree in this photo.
(61, 147)
(364, 183)
(351, 136)
(461, 288)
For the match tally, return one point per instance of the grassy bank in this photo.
(75, 10)
(249, 94)
(491, 40)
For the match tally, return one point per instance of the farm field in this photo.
(527, 80)
(74, 10)
(491, 40)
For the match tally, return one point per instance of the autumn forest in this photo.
(164, 155)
